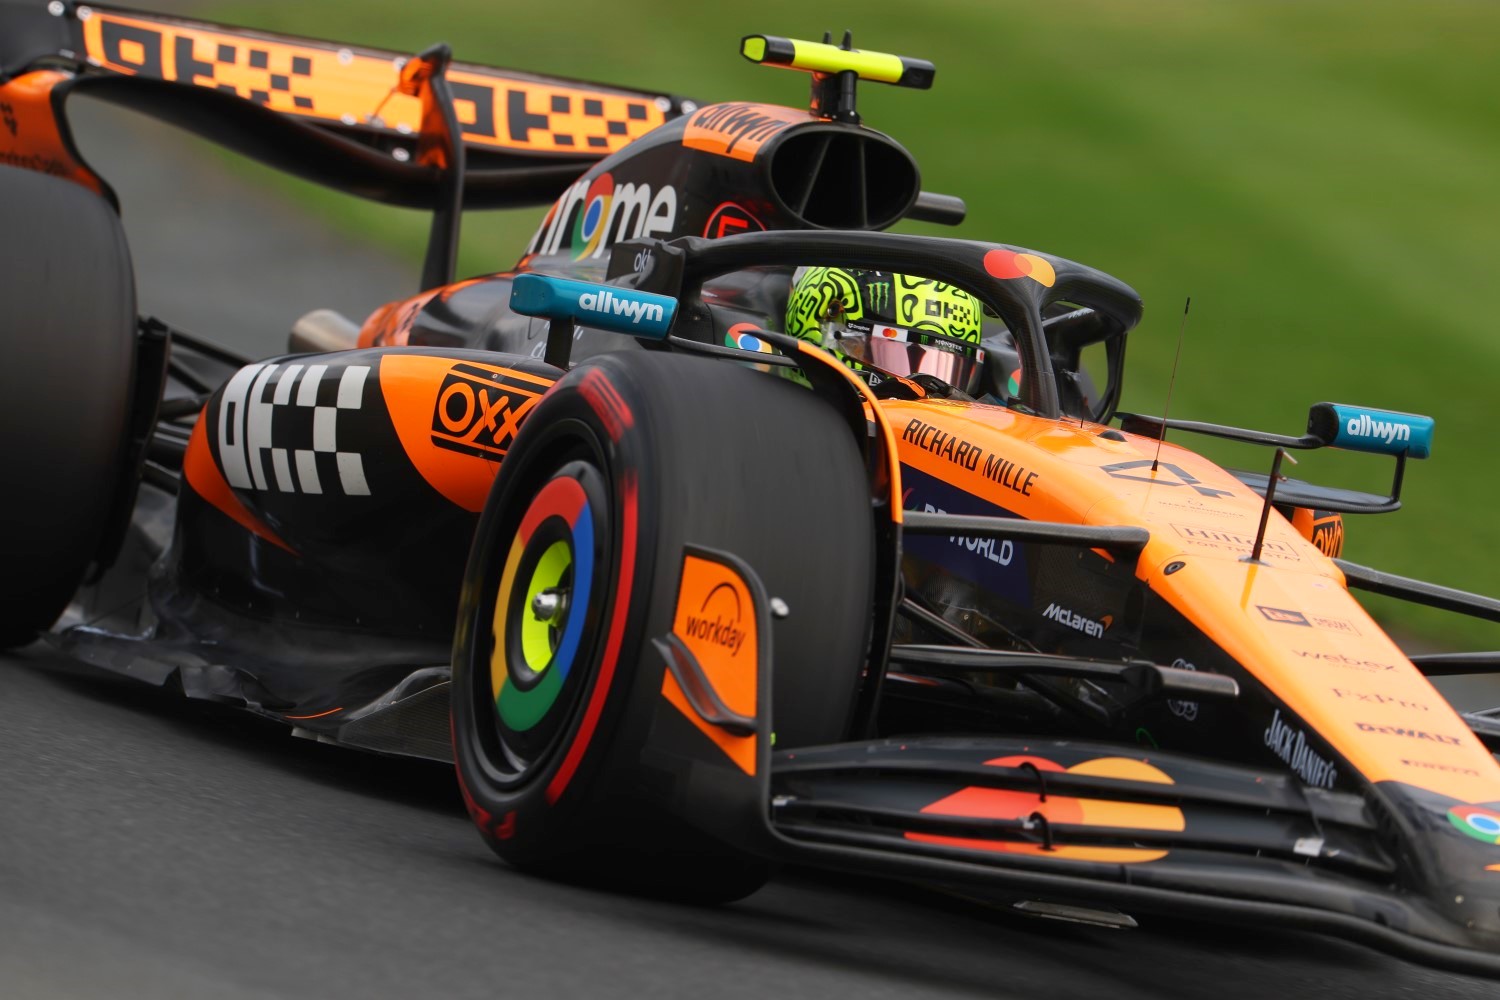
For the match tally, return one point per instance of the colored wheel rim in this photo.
(540, 629)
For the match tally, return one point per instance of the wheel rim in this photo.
(544, 605)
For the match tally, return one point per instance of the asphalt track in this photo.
(154, 848)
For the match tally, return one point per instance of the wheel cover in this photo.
(533, 658)
(538, 635)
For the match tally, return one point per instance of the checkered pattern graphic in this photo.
(496, 108)
(233, 55)
(960, 316)
(566, 119)
(278, 428)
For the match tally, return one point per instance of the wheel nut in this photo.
(550, 605)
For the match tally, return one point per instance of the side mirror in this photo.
(565, 302)
(1378, 432)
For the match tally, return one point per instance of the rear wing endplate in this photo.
(332, 113)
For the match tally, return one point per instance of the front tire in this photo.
(626, 462)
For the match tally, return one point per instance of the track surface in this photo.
(153, 848)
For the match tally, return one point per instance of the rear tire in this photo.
(651, 452)
(67, 297)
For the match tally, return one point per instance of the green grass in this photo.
(1323, 178)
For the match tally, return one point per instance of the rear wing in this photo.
(330, 113)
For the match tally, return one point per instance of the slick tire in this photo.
(67, 318)
(628, 460)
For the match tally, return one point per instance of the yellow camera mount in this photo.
(836, 69)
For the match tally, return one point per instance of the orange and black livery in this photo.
(682, 596)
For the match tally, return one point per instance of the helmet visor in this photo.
(887, 349)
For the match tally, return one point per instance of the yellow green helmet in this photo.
(881, 323)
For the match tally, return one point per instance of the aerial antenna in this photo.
(1171, 382)
(1265, 511)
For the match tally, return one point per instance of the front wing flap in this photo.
(1068, 822)
(1074, 822)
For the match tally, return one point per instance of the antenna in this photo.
(1171, 382)
(1265, 512)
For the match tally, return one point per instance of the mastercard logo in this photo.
(1481, 824)
(1007, 804)
(1007, 264)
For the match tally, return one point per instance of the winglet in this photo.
(1382, 432)
(604, 307)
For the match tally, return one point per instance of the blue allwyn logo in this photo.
(609, 303)
(605, 307)
(1359, 428)
(1365, 426)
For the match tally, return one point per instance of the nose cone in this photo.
(1449, 853)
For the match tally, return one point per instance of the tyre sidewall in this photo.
(66, 394)
(539, 819)
(678, 434)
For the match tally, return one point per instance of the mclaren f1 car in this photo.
(682, 595)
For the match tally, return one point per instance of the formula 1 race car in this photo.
(685, 595)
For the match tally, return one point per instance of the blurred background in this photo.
(1322, 178)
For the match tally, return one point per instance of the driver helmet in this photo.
(884, 324)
